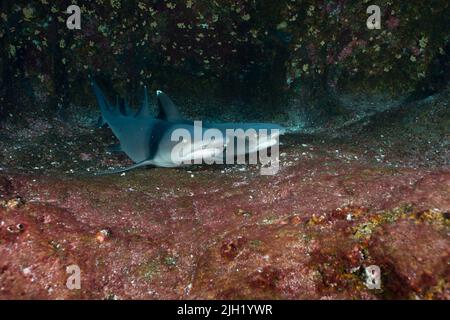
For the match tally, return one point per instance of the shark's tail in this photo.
(124, 108)
(105, 106)
(144, 111)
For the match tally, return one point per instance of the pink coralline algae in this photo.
(392, 22)
(158, 234)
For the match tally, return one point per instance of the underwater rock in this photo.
(364, 173)
(5, 187)
(276, 262)
(85, 156)
(308, 232)
(170, 241)
(415, 258)
(103, 235)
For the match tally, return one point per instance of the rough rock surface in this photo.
(334, 208)
(417, 255)
(304, 233)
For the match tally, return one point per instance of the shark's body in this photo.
(147, 140)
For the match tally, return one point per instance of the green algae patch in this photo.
(366, 229)
(150, 269)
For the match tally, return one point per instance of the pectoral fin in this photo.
(120, 170)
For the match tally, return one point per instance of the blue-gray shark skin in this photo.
(147, 140)
(169, 111)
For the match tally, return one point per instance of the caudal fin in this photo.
(144, 111)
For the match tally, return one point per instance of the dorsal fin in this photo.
(167, 109)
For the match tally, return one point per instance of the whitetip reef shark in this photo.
(148, 140)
